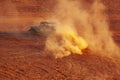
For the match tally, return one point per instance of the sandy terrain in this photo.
(22, 57)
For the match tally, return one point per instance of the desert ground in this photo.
(22, 56)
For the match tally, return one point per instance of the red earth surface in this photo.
(22, 58)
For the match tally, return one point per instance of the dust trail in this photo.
(95, 29)
(88, 23)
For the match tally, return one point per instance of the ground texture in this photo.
(22, 56)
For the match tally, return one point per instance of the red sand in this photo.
(21, 58)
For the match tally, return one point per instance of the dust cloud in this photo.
(79, 27)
